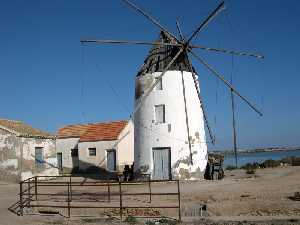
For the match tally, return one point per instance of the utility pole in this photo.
(233, 124)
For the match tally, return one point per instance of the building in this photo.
(107, 146)
(25, 151)
(168, 126)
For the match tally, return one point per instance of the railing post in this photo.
(29, 197)
(121, 203)
(150, 192)
(21, 198)
(71, 188)
(179, 205)
(69, 211)
(108, 190)
(35, 188)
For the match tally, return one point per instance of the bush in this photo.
(250, 165)
(292, 160)
(250, 170)
(270, 163)
(130, 219)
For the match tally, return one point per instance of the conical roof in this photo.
(160, 56)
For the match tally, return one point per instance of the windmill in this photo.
(169, 115)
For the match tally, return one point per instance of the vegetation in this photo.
(162, 220)
(250, 170)
(131, 219)
(270, 163)
(293, 161)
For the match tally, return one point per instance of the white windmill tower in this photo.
(169, 115)
(168, 125)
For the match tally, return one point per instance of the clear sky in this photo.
(48, 79)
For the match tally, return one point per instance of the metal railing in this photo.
(31, 192)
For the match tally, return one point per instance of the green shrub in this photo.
(130, 219)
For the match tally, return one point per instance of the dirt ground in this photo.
(262, 198)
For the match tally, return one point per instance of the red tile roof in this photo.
(93, 132)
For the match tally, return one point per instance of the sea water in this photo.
(244, 158)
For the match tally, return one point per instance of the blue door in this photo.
(161, 164)
(59, 161)
(39, 157)
(111, 160)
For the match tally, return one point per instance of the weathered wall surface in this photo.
(123, 146)
(64, 146)
(173, 133)
(17, 156)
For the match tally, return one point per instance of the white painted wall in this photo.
(123, 146)
(100, 159)
(173, 133)
(64, 146)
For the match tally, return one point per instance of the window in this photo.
(74, 152)
(159, 84)
(92, 151)
(160, 113)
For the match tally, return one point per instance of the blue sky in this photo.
(48, 79)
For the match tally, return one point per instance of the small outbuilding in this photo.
(25, 151)
(107, 146)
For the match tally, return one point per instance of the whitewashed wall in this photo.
(13, 148)
(172, 133)
(100, 159)
(125, 146)
(64, 146)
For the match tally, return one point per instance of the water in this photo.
(244, 158)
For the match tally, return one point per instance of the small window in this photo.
(74, 152)
(160, 113)
(92, 151)
(159, 84)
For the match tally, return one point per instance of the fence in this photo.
(31, 193)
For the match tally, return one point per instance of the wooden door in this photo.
(39, 157)
(111, 160)
(161, 164)
(59, 161)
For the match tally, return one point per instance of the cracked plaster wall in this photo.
(13, 148)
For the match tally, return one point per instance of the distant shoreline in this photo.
(257, 150)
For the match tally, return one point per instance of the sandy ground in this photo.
(262, 198)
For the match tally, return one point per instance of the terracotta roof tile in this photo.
(93, 132)
(72, 131)
(23, 129)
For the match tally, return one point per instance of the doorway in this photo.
(161, 164)
(39, 157)
(59, 161)
(111, 160)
